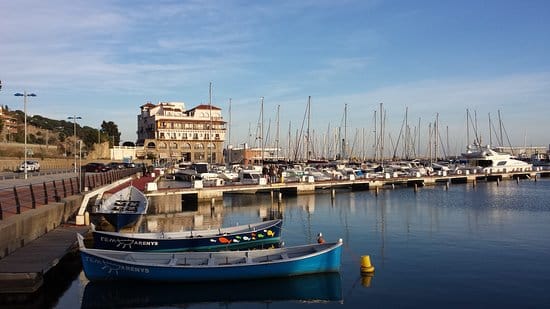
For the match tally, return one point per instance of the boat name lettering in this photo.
(135, 269)
(111, 267)
(146, 243)
(129, 243)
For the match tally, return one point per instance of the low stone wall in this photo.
(16, 231)
(12, 164)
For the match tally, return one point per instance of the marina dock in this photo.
(23, 271)
(308, 185)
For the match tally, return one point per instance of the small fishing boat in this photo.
(227, 238)
(314, 288)
(101, 264)
(124, 208)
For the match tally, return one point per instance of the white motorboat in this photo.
(492, 161)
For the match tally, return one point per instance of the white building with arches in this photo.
(169, 133)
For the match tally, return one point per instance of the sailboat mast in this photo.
(345, 140)
(210, 133)
(289, 140)
(467, 126)
(407, 152)
(490, 131)
(381, 146)
(307, 131)
(229, 135)
(436, 133)
(500, 128)
(418, 153)
(262, 128)
(277, 134)
(375, 139)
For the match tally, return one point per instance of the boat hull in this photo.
(267, 234)
(124, 208)
(120, 221)
(112, 265)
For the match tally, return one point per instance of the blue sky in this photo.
(101, 60)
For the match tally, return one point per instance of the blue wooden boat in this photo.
(227, 238)
(313, 288)
(101, 264)
(124, 208)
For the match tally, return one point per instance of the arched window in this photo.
(174, 146)
(186, 146)
(211, 146)
(151, 145)
(162, 146)
(199, 146)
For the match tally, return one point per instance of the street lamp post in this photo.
(74, 118)
(25, 95)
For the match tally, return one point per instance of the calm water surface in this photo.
(483, 246)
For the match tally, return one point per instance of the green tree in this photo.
(88, 136)
(111, 130)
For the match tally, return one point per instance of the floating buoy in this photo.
(320, 238)
(366, 266)
(366, 279)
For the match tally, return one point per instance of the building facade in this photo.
(253, 156)
(170, 133)
(9, 127)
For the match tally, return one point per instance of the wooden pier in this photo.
(23, 270)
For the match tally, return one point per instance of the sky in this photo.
(423, 60)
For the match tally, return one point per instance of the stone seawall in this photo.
(16, 231)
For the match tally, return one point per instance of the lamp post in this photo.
(25, 95)
(74, 118)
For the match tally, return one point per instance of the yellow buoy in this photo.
(366, 266)
(366, 280)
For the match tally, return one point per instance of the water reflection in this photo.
(309, 288)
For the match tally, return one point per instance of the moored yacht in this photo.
(492, 161)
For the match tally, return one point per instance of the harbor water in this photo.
(482, 246)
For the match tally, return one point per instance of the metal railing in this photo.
(15, 200)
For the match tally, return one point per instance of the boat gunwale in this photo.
(120, 256)
(207, 233)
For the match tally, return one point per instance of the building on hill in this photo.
(9, 126)
(168, 132)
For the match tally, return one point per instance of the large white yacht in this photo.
(492, 161)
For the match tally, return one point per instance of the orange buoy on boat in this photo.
(320, 238)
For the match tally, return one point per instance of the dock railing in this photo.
(17, 199)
